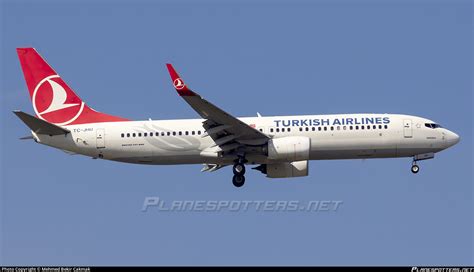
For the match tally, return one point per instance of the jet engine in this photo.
(284, 169)
(289, 149)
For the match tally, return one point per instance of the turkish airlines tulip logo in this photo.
(179, 84)
(55, 102)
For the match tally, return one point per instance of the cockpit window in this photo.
(432, 125)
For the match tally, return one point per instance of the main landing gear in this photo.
(239, 171)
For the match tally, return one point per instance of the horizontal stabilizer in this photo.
(40, 126)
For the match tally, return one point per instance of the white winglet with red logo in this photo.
(53, 100)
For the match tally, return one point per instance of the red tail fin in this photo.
(53, 100)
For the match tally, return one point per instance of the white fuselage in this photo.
(185, 141)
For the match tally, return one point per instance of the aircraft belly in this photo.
(354, 148)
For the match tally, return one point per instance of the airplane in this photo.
(278, 146)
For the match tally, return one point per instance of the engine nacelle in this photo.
(295, 148)
(287, 169)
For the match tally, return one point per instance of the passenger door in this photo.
(407, 128)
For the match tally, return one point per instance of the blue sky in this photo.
(277, 58)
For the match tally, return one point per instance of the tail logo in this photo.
(178, 84)
(51, 102)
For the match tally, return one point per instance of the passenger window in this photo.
(361, 127)
(180, 133)
(277, 130)
(133, 134)
(368, 127)
(386, 126)
(338, 128)
(289, 129)
(283, 130)
(307, 129)
(374, 127)
(357, 127)
(271, 130)
(301, 129)
(325, 128)
(145, 134)
(140, 134)
(319, 128)
(168, 133)
(344, 127)
(123, 135)
(380, 126)
(174, 133)
(128, 135)
(313, 129)
(199, 132)
(332, 128)
(186, 133)
(351, 127)
(192, 132)
(261, 130)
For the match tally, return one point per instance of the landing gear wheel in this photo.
(415, 168)
(238, 180)
(239, 169)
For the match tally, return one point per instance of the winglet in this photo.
(178, 83)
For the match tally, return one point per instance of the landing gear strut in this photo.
(239, 171)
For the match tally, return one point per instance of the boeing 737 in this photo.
(278, 146)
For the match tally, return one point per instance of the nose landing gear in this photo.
(414, 166)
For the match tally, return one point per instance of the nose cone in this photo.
(452, 138)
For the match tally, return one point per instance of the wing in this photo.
(227, 131)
